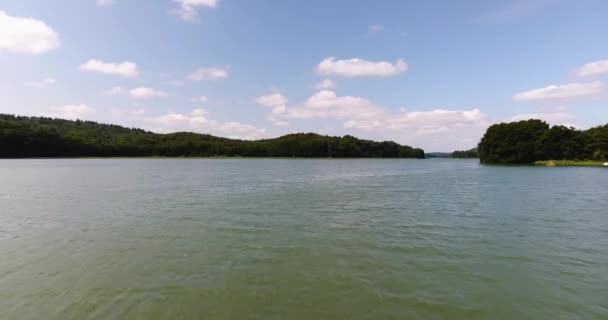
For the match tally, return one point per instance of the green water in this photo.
(301, 239)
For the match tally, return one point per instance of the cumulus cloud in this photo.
(435, 129)
(42, 83)
(327, 104)
(105, 3)
(188, 9)
(26, 35)
(125, 69)
(360, 68)
(554, 118)
(276, 101)
(326, 84)
(564, 91)
(593, 69)
(72, 112)
(198, 121)
(145, 93)
(214, 73)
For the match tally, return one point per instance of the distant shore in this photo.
(569, 163)
(40, 137)
(206, 158)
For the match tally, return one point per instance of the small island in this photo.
(23, 137)
(535, 142)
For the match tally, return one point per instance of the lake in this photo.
(301, 239)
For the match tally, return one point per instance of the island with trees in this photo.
(535, 142)
(22, 137)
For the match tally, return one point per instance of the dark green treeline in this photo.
(532, 140)
(466, 154)
(45, 137)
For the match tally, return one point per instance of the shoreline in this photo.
(212, 158)
(569, 163)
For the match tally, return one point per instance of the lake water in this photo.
(301, 239)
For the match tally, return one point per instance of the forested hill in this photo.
(533, 140)
(45, 137)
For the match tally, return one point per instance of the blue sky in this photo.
(430, 74)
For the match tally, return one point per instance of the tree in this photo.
(532, 140)
(514, 142)
(597, 143)
(560, 142)
(471, 153)
(46, 137)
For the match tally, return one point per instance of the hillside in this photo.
(45, 137)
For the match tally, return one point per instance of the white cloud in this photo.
(554, 118)
(125, 69)
(72, 111)
(237, 130)
(42, 83)
(140, 92)
(376, 28)
(105, 3)
(434, 130)
(276, 101)
(198, 121)
(199, 100)
(437, 129)
(593, 69)
(358, 68)
(209, 73)
(326, 84)
(26, 35)
(172, 122)
(326, 104)
(188, 9)
(565, 91)
(144, 93)
(114, 91)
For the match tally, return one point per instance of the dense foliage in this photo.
(532, 140)
(46, 137)
(471, 153)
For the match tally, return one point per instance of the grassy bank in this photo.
(569, 163)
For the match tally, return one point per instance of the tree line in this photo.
(47, 137)
(465, 154)
(533, 140)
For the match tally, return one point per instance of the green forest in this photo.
(465, 154)
(529, 141)
(22, 137)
